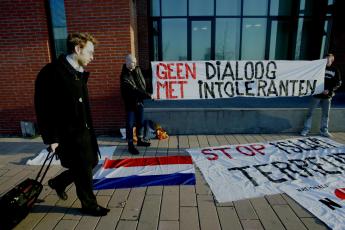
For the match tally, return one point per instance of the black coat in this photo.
(63, 113)
(332, 82)
(133, 88)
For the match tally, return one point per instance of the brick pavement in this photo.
(158, 207)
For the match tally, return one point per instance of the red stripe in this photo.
(146, 161)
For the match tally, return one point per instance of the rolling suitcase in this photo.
(16, 203)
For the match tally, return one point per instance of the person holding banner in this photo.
(134, 92)
(332, 83)
(64, 120)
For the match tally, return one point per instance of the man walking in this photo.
(64, 120)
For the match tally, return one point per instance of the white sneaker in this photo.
(326, 134)
(304, 132)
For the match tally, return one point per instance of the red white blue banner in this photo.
(178, 80)
(236, 172)
(325, 200)
(148, 171)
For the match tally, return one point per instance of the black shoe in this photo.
(60, 192)
(142, 142)
(98, 211)
(132, 149)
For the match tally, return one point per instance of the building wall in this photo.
(121, 26)
(110, 22)
(133, 28)
(24, 45)
(24, 50)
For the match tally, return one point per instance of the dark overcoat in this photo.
(133, 87)
(63, 113)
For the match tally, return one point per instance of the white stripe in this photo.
(144, 170)
(341, 190)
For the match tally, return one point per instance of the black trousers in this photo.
(81, 175)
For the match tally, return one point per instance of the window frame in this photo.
(292, 19)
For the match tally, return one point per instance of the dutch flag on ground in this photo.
(148, 171)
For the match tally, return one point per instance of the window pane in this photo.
(253, 39)
(279, 41)
(174, 39)
(227, 38)
(281, 7)
(57, 11)
(201, 7)
(201, 40)
(298, 38)
(304, 36)
(155, 7)
(306, 7)
(325, 39)
(255, 7)
(155, 35)
(329, 11)
(174, 7)
(228, 7)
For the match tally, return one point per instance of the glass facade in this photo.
(59, 26)
(281, 7)
(227, 38)
(174, 7)
(201, 40)
(174, 39)
(228, 8)
(255, 7)
(253, 38)
(279, 40)
(240, 29)
(201, 7)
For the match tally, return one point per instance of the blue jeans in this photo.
(325, 104)
(135, 118)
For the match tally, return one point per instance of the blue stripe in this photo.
(141, 181)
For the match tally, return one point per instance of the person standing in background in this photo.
(134, 92)
(332, 83)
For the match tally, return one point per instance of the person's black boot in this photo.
(143, 142)
(132, 149)
(97, 211)
(60, 192)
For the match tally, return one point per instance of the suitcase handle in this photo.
(49, 156)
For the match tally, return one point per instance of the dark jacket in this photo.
(332, 82)
(63, 113)
(133, 88)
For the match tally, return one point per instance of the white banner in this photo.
(236, 172)
(326, 200)
(105, 151)
(175, 80)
